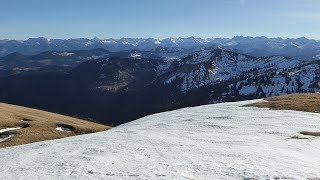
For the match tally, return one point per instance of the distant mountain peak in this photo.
(256, 46)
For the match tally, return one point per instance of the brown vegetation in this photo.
(300, 102)
(37, 125)
(298, 137)
(310, 133)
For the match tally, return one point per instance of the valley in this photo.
(117, 87)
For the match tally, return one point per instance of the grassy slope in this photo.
(42, 125)
(299, 102)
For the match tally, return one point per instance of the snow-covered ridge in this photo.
(211, 66)
(63, 53)
(222, 141)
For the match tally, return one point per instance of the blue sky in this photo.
(21, 19)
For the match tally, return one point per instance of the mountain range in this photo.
(255, 46)
(117, 87)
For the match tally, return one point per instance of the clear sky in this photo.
(21, 19)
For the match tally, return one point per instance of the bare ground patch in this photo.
(308, 133)
(298, 137)
(305, 135)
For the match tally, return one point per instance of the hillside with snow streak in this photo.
(221, 141)
(233, 74)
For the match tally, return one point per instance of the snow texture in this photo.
(220, 141)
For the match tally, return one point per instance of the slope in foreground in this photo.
(21, 125)
(222, 141)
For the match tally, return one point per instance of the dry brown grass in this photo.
(300, 102)
(40, 125)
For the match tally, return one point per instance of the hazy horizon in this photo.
(105, 38)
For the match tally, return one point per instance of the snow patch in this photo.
(135, 55)
(9, 129)
(5, 138)
(64, 54)
(63, 128)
